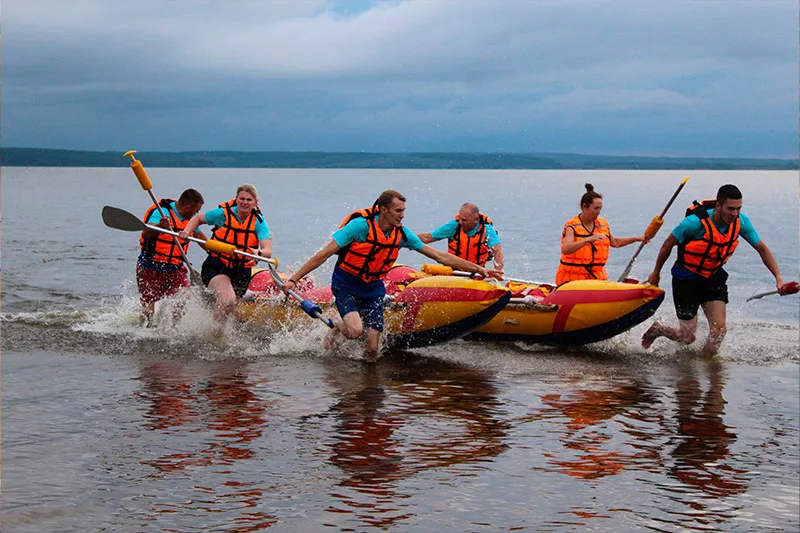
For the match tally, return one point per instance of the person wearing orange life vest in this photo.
(160, 271)
(706, 239)
(585, 241)
(238, 222)
(368, 242)
(471, 235)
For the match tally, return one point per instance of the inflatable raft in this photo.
(577, 312)
(420, 310)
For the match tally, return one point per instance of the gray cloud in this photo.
(646, 77)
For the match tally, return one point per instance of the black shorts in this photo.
(240, 277)
(689, 295)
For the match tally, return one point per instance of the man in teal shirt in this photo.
(470, 235)
(706, 239)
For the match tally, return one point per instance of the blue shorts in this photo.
(368, 304)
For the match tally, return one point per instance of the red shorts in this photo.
(154, 285)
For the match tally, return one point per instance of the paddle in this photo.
(147, 185)
(787, 288)
(444, 270)
(651, 230)
(116, 218)
(313, 310)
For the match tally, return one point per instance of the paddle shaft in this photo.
(147, 185)
(216, 246)
(463, 274)
(656, 224)
(786, 289)
(116, 218)
(276, 277)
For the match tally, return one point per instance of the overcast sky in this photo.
(639, 77)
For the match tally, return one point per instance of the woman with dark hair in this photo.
(586, 240)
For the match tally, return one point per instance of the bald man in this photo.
(470, 236)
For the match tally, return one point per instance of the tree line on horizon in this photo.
(45, 157)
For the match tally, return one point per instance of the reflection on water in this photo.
(225, 409)
(701, 452)
(588, 434)
(390, 428)
(408, 444)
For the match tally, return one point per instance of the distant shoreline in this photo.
(43, 157)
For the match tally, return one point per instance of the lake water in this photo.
(107, 426)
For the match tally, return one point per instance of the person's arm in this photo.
(769, 261)
(155, 219)
(312, 264)
(201, 235)
(458, 263)
(426, 238)
(619, 242)
(264, 248)
(499, 258)
(192, 225)
(663, 255)
(570, 245)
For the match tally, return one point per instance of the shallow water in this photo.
(107, 426)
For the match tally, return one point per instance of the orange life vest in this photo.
(162, 248)
(706, 255)
(372, 259)
(240, 234)
(473, 249)
(587, 262)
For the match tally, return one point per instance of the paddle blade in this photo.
(789, 288)
(118, 219)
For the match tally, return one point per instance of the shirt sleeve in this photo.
(747, 231)
(155, 218)
(262, 230)
(357, 230)
(445, 231)
(690, 229)
(215, 217)
(410, 240)
(492, 239)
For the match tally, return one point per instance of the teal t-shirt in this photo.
(357, 230)
(691, 228)
(216, 217)
(449, 230)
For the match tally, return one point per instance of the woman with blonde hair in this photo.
(239, 222)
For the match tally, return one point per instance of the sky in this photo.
(708, 78)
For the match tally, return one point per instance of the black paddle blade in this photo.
(116, 218)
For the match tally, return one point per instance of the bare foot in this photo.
(651, 335)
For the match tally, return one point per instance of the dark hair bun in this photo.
(589, 187)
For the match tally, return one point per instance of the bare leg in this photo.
(350, 326)
(225, 303)
(684, 333)
(715, 314)
(371, 345)
(334, 334)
